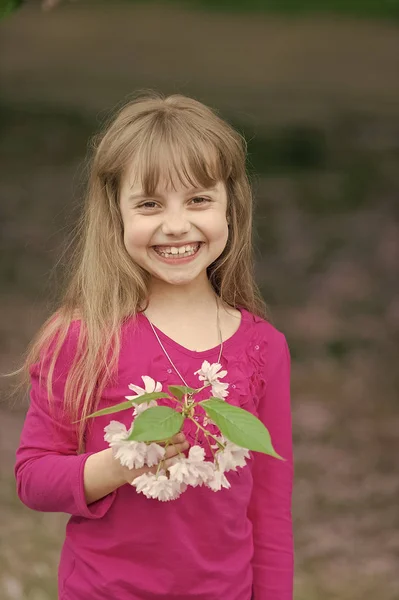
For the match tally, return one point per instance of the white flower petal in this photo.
(154, 454)
(166, 490)
(202, 472)
(210, 374)
(205, 366)
(212, 371)
(115, 431)
(158, 487)
(151, 385)
(143, 483)
(219, 389)
(179, 471)
(196, 454)
(218, 481)
(193, 470)
(130, 454)
(188, 472)
(202, 372)
(231, 457)
(140, 408)
(136, 388)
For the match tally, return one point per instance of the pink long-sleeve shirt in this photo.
(228, 545)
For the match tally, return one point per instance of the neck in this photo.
(183, 308)
(197, 297)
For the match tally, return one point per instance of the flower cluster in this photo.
(192, 471)
(132, 455)
(210, 375)
(168, 483)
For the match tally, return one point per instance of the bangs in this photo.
(172, 152)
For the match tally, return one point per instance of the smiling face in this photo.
(175, 233)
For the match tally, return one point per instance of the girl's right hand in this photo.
(178, 444)
(102, 474)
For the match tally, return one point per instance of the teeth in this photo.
(182, 251)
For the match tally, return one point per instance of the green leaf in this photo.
(239, 426)
(125, 405)
(148, 397)
(156, 423)
(8, 6)
(180, 390)
(109, 410)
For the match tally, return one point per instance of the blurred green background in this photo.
(314, 86)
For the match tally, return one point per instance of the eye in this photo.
(148, 204)
(200, 200)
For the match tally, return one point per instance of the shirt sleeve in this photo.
(270, 504)
(48, 470)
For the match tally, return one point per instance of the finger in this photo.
(137, 472)
(154, 469)
(175, 449)
(176, 439)
(170, 462)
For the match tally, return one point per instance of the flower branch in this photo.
(152, 425)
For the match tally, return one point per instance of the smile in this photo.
(177, 252)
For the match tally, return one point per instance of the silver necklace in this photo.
(167, 355)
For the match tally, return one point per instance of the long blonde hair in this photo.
(176, 136)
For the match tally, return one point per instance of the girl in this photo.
(161, 280)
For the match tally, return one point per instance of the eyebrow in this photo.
(141, 194)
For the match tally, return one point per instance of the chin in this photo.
(181, 281)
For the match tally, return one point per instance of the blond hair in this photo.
(172, 136)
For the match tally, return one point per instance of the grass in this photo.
(384, 9)
(28, 565)
(371, 9)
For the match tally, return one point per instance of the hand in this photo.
(178, 443)
(103, 474)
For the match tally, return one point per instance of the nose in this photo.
(175, 223)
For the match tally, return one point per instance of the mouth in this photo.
(177, 252)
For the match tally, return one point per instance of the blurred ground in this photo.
(264, 68)
(318, 99)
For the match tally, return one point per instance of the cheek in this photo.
(219, 233)
(136, 234)
(213, 225)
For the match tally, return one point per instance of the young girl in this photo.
(161, 280)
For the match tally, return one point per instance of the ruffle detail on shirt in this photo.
(249, 364)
